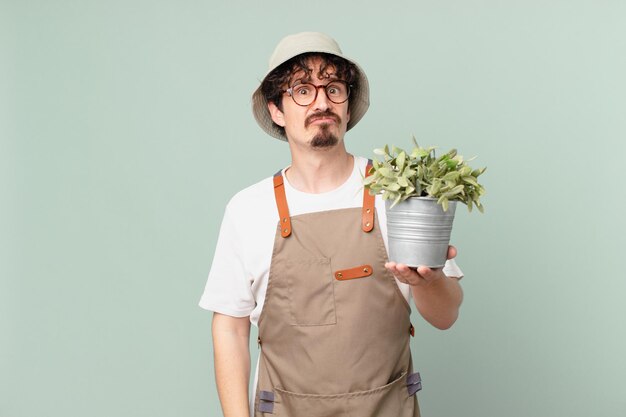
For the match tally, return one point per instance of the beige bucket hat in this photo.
(300, 43)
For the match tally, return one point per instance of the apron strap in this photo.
(367, 222)
(281, 203)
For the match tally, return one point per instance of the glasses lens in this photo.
(337, 91)
(303, 94)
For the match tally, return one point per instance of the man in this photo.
(302, 255)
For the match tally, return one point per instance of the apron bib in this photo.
(334, 330)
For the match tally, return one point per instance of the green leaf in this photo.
(465, 171)
(369, 180)
(435, 187)
(451, 163)
(470, 180)
(478, 172)
(422, 153)
(403, 181)
(444, 204)
(396, 200)
(451, 176)
(458, 189)
(453, 192)
(387, 172)
(401, 158)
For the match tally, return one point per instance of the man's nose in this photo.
(321, 101)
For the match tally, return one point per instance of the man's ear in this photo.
(277, 115)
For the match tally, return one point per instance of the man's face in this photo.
(321, 124)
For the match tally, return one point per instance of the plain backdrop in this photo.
(125, 128)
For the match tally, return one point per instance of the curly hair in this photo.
(273, 86)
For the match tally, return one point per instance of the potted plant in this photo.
(420, 192)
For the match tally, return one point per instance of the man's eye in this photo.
(302, 91)
(333, 90)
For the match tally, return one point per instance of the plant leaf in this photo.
(444, 204)
(369, 180)
(470, 180)
(387, 172)
(400, 160)
(451, 176)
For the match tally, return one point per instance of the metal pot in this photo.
(418, 231)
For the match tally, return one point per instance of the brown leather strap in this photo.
(367, 221)
(352, 273)
(281, 203)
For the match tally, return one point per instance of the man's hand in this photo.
(421, 275)
(436, 296)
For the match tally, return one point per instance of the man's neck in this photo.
(320, 171)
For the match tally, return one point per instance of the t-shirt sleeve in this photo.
(451, 269)
(228, 287)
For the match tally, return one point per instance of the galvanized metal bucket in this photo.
(418, 231)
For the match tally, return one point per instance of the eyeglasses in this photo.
(304, 94)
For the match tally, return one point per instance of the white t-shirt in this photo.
(239, 274)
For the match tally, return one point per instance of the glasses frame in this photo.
(317, 87)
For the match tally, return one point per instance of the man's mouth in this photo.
(322, 119)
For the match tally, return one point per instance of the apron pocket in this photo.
(389, 400)
(311, 292)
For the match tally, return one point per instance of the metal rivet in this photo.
(285, 230)
(285, 220)
(366, 270)
(368, 210)
(339, 275)
(367, 224)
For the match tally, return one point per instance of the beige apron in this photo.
(334, 330)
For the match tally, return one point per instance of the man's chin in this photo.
(324, 138)
(322, 141)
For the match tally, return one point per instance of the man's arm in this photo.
(231, 338)
(437, 296)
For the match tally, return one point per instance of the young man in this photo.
(302, 255)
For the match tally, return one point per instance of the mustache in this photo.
(321, 115)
